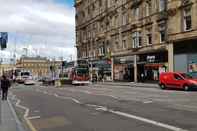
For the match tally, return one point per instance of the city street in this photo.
(106, 108)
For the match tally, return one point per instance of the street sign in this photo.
(3, 40)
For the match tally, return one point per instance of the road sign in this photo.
(3, 40)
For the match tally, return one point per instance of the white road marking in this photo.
(147, 102)
(33, 117)
(156, 123)
(68, 98)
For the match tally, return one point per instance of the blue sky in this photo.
(46, 28)
(68, 2)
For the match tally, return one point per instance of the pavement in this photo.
(9, 120)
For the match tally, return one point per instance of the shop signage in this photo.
(124, 60)
(150, 59)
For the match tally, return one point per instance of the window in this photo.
(137, 39)
(162, 5)
(148, 7)
(124, 44)
(162, 28)
(177, 77)
(136, 13)
(100, 3)
(149, 36)
(124, 18)
(116, 21)
(187, 19)
(101, 51)
(117, 45)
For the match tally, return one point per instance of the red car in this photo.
(177, 80)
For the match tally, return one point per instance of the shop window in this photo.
(187, 19)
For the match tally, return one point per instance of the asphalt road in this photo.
(107, 108)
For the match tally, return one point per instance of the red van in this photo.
(177, 80)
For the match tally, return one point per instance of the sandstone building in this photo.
(131, 39)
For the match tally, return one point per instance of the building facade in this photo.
(38, 66)
(136, 40)
(5, 68)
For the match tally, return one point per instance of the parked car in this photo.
(29, 81)
(177, 80)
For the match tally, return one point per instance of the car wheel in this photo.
(186, 88)
(162, 86)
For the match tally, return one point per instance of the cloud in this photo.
(42, 25)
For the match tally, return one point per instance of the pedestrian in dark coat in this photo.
(5, 84)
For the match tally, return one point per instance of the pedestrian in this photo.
(142, 77)
(5, 84)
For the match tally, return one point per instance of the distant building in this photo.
(5, 67)
(38, 66)
(128, 39)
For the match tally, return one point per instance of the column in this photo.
(135, 68)
(171, 57)
(112, 69)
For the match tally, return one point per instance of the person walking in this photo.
(5, 84)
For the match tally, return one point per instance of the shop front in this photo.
(150, 65)
(101, 69)
(185, 56)
(123, 68)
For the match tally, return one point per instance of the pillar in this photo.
(112, 69)
(135, 68)
(171, 57)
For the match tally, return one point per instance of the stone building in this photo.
(38, 66)
(135, 40)
(5, 68)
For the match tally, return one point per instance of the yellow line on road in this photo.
(32, 128)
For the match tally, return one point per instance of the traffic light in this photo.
(64, 63)
(3, 40)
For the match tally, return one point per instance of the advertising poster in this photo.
(193, 67)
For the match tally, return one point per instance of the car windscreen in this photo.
(25, 74)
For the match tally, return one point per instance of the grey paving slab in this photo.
(9, 120)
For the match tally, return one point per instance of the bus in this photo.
(22, 76)
(76, 72)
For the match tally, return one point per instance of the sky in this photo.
(38, 27)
